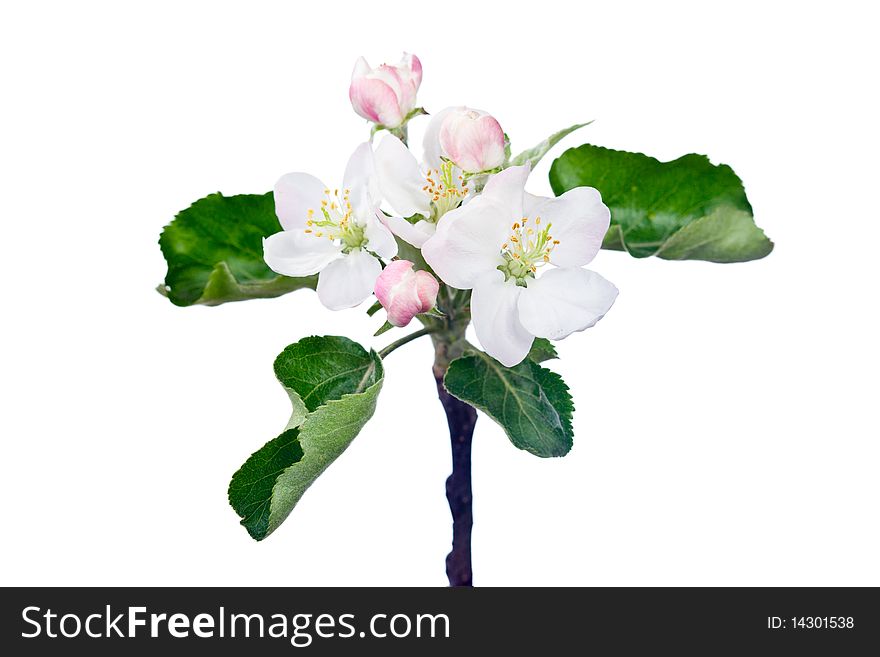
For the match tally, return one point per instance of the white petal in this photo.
(346, 282)
(431, 144)
(507, 188)
(416, 234)
(296, 194)
(380, 240)
(361, 68)
(467, 243)
(295, 253)
(496, 319)
(360, 179)
(580, 221)
(563, 301)
(400, 180)
(532, 204)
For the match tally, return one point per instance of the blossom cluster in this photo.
(464, 205)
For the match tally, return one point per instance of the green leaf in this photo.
(214, 251)
(533, 155)
(530, 402)
(724, 235)
(387, 326)
(406, 251)
(333, 384)
(655, 204)
(435, 312)
(542, 349)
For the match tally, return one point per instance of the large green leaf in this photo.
(533, 155)
(333, 384)
(214, 251)
(530, 402)
(684, 209)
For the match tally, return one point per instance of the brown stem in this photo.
(461, 418)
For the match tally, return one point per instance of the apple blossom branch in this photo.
(508, 261)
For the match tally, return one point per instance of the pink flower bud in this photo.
(473, 139)
(405, 293)
(387, 94)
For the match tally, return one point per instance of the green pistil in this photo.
(527, 248)
(515, 269)
(337, 224)
(353, 237)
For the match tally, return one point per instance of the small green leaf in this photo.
(333, 384)
(530, 402)
(684, 209)
(387, 326)
(435, 312)
(542, 349)
(214, 251)
(372, 310)
(406, 251)
(533, 155)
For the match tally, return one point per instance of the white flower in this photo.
(422, 192)
(496, 245)
(334, 232)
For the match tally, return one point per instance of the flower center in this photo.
(527, 248)
(445, 190)
(336, 221)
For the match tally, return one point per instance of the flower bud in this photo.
(386, 94)
(473, 139)
(405, 293)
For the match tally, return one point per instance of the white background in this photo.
(726, 424)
